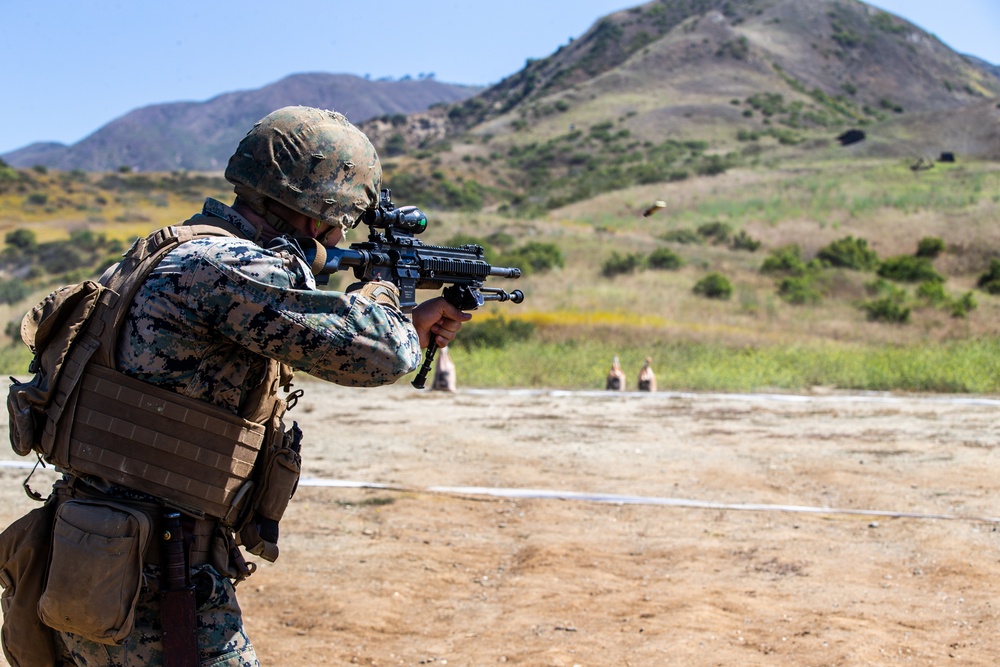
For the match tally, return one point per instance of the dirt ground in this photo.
(780, 566)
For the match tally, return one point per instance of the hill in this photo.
(712, 50)
(686, 86)
(200, 136)
(780, 258)
(990, 68)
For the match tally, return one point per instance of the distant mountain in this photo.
(200, 136)
(715, 72)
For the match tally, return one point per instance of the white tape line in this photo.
(548, 494)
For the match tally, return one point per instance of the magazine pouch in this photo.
(279, 479)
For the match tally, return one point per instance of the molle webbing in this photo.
(194, 455)
(189, 452)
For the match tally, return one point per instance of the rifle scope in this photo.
(409, 219)
(406, 219)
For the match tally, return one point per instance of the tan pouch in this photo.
(95, 570)
(51, 330)
(24, 551)
(278, 481)
(281, 478)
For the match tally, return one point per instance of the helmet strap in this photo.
(258, 204)
(279, 225)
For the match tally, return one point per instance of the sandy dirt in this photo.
(409, 575)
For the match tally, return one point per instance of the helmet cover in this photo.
(313, 161)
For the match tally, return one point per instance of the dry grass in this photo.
(809, 203)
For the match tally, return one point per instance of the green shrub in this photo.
(494, 332)
(436, 191)
(930, 247)
(712, 165)
(534, 256)
(887, 309)
(23, 239)
(798, 290)
(664, 259)
(909, 269)
(618, 264)
(768, 104)
(716, 232)
(846, 37)
(932, 292)
(12, 291)
(685, 236)
(85, 239)
(849, 253)
(394, 146)
(961, 307)
(13, 332)
(990, 281)
(787, 259)
(501, 239)
(882, 287)
(714, 286)
(743, 241)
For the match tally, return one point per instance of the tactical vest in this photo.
(194, 456)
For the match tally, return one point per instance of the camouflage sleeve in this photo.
(266, 302)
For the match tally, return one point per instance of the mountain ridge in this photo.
(704, 70)
(202, 135)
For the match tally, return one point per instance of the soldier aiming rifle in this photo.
(160, 393)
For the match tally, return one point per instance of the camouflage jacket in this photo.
(215, 309)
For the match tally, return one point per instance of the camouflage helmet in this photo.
(312, 161)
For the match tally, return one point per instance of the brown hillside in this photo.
(675, 88)
(686, 69)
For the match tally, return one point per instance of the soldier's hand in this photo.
(439, 318)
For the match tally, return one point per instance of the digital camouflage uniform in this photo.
(215, 307)
(203, 324)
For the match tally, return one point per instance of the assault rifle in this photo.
(392, 253)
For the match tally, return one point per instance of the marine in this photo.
(171, 425)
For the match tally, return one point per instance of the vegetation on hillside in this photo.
(804, 268)
(815, 228)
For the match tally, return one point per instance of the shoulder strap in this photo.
(124, 283)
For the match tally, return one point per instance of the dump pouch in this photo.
(24, 553)
(50, 329)
(95, 569)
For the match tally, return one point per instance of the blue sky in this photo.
(70, 66)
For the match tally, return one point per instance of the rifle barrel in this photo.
(505, 272)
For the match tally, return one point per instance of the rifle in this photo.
(392, 253)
